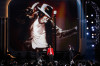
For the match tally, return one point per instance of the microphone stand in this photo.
(55, 12)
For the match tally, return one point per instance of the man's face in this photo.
(43, 19)
(49, 46)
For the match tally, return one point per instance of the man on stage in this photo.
(71, 54)
(50, 53)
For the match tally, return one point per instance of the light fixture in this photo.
(87, 16)
(92, 45)
(92, 36)
(87, 21)
(91, 15)
(92, 29)
(92, 22)
(87, 33)
(87, 28)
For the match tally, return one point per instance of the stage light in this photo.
(91, 15)
(87, 33)
(92, 22)
(87, 21)
(87, 28)
(92, 36)
(92, 45)
(87, 16)
(92, 29)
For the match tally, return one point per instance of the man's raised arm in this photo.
(65, 33)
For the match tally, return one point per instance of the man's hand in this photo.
(75, 27)
(65, 33)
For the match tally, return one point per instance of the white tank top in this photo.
(39, 35)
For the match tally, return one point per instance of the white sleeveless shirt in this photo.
(38, 35)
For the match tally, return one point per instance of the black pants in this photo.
(70, 56)
(51, 58)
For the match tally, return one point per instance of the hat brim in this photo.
(43, 11)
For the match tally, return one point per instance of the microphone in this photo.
(54, 12)
(52, 19)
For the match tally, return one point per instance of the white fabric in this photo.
(50, 51)
(39, 35)
(70, 48)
